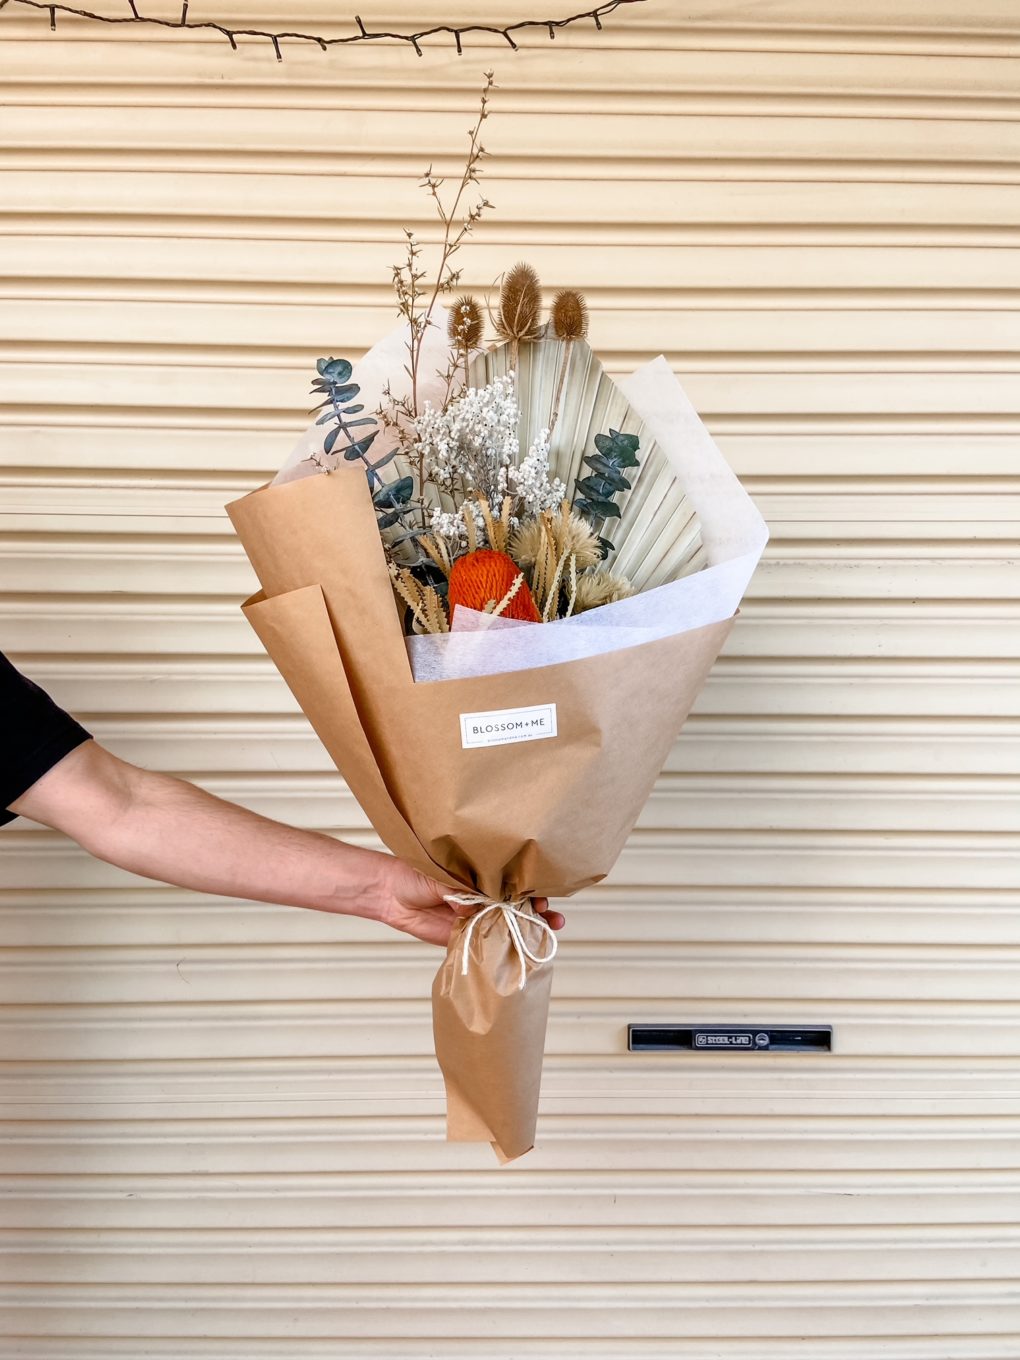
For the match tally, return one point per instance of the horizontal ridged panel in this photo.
(758, 1348)
(220, 1122)
(539, 1311)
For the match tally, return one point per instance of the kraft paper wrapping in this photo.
(536, 818)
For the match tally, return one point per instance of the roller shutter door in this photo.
(221, 1122)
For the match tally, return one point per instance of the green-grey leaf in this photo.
(386, 458)
(620, 454)
(597, 488)
(335, 370)
(396, 493)
(592, 488)
(361, 447)
(630, 442)
(606, 469)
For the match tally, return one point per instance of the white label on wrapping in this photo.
(504, 725)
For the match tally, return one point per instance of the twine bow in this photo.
(513, 914)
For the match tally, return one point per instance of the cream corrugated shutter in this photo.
(221, 1122)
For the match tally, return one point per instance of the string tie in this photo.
(513, 913)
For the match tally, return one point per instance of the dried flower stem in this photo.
(416, 300)
(568, 346)
(454, 234)
(569, 323)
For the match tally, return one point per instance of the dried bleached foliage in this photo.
(497, 528)
(437, 548)
(428, 612)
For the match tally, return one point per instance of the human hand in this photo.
(417, 905)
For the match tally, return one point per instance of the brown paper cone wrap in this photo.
(537, 818)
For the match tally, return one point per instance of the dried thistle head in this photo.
(465, 326)
(569, 315)
(596, 588)
(520, 305)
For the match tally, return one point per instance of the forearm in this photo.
(166, 829)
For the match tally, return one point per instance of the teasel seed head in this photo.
(569, 315)
(465, 326)
(520, 305)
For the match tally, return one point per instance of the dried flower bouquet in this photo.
(458, 491)
(495, 580)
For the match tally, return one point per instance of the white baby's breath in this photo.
(465, 447)
(451, 525)
(528, 482)
(472, 448)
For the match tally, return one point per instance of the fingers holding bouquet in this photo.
(420, 906)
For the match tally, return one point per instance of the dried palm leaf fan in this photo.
(658, 535)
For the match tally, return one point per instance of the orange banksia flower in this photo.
(492, 583)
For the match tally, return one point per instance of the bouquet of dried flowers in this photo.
(495, 580)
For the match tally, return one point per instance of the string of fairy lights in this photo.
(458, 32)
